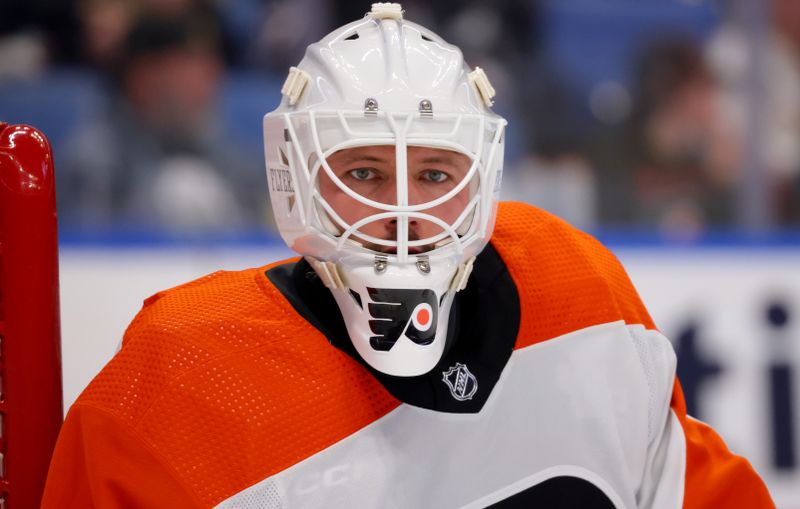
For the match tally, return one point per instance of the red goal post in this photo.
(31, 408)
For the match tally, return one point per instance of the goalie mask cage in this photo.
(31, 408)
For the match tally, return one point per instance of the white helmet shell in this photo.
(384, 81)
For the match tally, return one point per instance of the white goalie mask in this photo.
(384, 164)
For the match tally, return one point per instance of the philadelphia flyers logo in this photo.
(398, 311)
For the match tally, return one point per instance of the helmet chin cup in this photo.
(384, 81)
(397, 317)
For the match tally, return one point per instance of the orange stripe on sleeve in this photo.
(715, 477)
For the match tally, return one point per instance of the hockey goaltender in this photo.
(431, 347)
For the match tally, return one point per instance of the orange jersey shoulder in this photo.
(225, 361)
(566, 279)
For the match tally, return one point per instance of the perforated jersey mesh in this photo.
(566, 279)
(657, 359)
(230, 385)
(266, 496)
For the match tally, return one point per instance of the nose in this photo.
(390, 225)
(388, 194)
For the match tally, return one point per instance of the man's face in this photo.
(371, 172)
(174, 90)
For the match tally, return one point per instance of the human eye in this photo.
(435, 176)
(362, 174)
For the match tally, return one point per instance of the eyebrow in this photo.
(439, 160)
(452, 161)
(362, 157)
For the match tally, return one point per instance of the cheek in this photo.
(452, 208)
(348, 209)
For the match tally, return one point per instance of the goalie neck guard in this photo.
(384, 163)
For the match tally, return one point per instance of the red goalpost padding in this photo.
(31, 405)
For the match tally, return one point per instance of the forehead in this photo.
(386, 154)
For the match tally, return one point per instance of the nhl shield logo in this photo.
(463, 384)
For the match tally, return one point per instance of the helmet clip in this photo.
(381, 262)
(459, 281)
(485, 89)
(370, 106)
(424, 264)
(426, 108)
(387, 11)
(295, 84)
(328, 272)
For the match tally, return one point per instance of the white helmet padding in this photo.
(385, 82)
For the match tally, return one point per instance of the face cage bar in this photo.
(481, 203)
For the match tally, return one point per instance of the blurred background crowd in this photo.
(675, 116)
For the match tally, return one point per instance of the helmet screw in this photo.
(424, 264)
(380, 263)
(371, 106)
(426, 108)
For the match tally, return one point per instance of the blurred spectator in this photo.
(286, 28)
(552, 173)
(779, 136)
(561, 183)
(34, 34)
(104, 26)
(157, 156)
(22, 55)
(674, 163)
